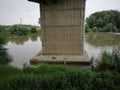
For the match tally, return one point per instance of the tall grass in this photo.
(108, 60)
(47, 77)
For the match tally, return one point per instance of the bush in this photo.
(2, 28)
(5, 58)
(94, 29)
(103, 81)
(19, 30)
(109, 28)
(33, 30)
(56, 78)
(108, 60)
(87, 28)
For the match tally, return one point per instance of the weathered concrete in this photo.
(62, 26)
(61, 59)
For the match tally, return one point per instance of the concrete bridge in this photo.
(62, 23)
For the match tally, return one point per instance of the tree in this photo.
(86, 28)
(19, 30)
(109, 27)
(94, 29)
(1, 29)
(104, 21)
(5, 58)
(33, 30)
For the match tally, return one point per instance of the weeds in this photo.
(47, 77)
(108, 60)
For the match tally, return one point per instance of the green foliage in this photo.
(4, 30)
(1, 29)
(87, 29)
(105, 21)
(5, 58)
(94, 29)
(104, 81)
(109, 27)
(19, 30)
(2, 40)
(47, 77)
(33, 30)
(109, 60)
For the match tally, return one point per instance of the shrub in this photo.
(108, 60)
(47, 77)
(19, 30)
(109, 28)
(116, 58)
(94, 29)
(5, 58)
(87, 28)
(2, 28)
(33, 30)
(103, 81)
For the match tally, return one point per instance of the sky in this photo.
(22, 11)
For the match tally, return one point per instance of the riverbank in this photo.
(23, 48)
(19, 30)
(46, 77)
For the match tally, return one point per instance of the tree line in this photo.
(5, 57)
(14, 30)
(18, 29)
(103, 21)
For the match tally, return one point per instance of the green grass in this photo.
(46, 77)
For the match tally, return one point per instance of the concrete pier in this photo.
(61, 59)
(62, 25)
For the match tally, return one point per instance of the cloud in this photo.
(13, 10)
(100, 5)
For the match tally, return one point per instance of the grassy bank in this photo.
(19, 30)
(105, 76)
(47, 77)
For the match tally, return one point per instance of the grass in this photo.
(46, 77)
(108, 60)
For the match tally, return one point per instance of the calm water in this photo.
(23, 48)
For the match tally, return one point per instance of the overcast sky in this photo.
(11, 11)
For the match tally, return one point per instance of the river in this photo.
(23, 48)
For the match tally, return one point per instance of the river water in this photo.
(23, 48)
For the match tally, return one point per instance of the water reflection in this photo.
(103, 39)
(33, 38)
(98, 42)
(94, 51)
(23, 48)
(20, 40)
